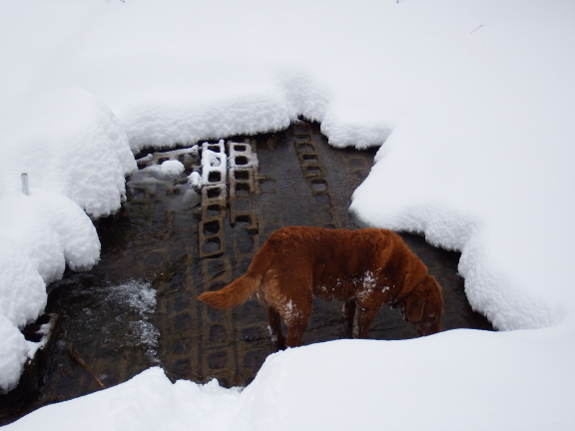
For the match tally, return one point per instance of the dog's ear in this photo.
(414, 309)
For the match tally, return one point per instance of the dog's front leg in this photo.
(361, 323)
(295, 332)
(364, 315)
(348, 310)
(348, 313)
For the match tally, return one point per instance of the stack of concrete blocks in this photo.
(312, 168)
(243, 176)
(214, 199)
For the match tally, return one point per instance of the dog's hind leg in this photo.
(291, 296)
(297, 320)
(275, 328)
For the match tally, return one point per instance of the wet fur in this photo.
(365, 268)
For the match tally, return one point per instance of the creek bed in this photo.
(137, 308)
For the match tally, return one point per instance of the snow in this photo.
(169, 169)
(39, 235)
(474, 103)
(74, 146)
(214, 166)
(75, 154)
(348, 384)
(13, 354)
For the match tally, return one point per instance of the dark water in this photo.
(138, 308)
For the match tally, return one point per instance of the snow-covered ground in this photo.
(475, 101)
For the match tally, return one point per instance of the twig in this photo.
(477, 28)
(76, 356)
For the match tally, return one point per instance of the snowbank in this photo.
(69, 143)
(475, 102)
(349, 384)
(75, 154)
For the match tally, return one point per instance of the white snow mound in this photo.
(74, 146)
(75, 154)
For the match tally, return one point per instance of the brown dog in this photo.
(366, 268)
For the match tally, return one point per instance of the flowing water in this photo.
(137, 308)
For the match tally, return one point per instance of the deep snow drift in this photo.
(474, 101)
(75, 154)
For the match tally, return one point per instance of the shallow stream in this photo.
(138, 308)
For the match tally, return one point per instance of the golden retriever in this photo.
(366, 268)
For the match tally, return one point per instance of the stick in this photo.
(476, 28)
(76, 356)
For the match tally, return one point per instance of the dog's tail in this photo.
(233, 294)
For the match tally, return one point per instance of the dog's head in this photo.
(423, 306)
